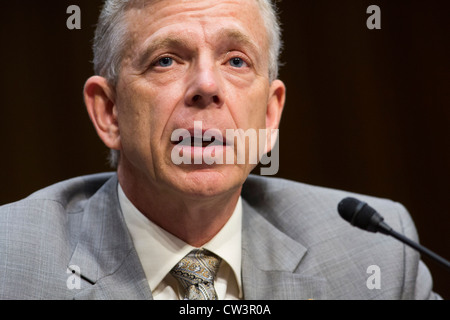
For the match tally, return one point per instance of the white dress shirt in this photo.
(159, 251)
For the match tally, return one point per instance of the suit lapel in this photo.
(105, 254)
(269, 260)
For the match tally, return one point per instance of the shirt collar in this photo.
(160, 250)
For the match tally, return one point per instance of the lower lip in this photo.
(199, 153)
(201, 149)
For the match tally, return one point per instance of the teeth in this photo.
(185, 142)
(194, 141)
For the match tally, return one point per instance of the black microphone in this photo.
(361, 215)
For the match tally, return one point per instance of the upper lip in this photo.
(207, 137)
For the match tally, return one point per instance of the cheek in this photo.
(146, 113)
(251, 111)
(132, 115)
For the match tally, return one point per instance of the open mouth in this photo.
(200, 142)
(203, 141)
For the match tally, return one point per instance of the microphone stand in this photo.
(386, 229)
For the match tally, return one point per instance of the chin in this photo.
(210, 182)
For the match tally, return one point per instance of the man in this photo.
(165, 229)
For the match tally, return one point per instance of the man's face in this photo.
(188, 61)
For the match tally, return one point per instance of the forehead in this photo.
(240, 18)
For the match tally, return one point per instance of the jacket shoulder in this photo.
(301, 210)
(316, 204)
(52, 208)
(72, 192)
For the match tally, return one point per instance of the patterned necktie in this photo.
(196, 273)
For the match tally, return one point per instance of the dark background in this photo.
(367, 110)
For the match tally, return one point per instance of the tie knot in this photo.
(196, 273)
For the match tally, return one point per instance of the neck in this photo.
(195, 220)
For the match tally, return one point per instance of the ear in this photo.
(275, 105)
(99, 100)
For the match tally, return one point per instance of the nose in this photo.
(204, 88)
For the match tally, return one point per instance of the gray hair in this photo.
(111, 38)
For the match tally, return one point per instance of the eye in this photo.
(164, 62)
(237, 62)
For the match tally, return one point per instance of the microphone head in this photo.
(359, 214)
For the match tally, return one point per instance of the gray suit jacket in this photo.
(295, 246)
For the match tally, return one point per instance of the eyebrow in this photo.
(167, 42)
(175, 41)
